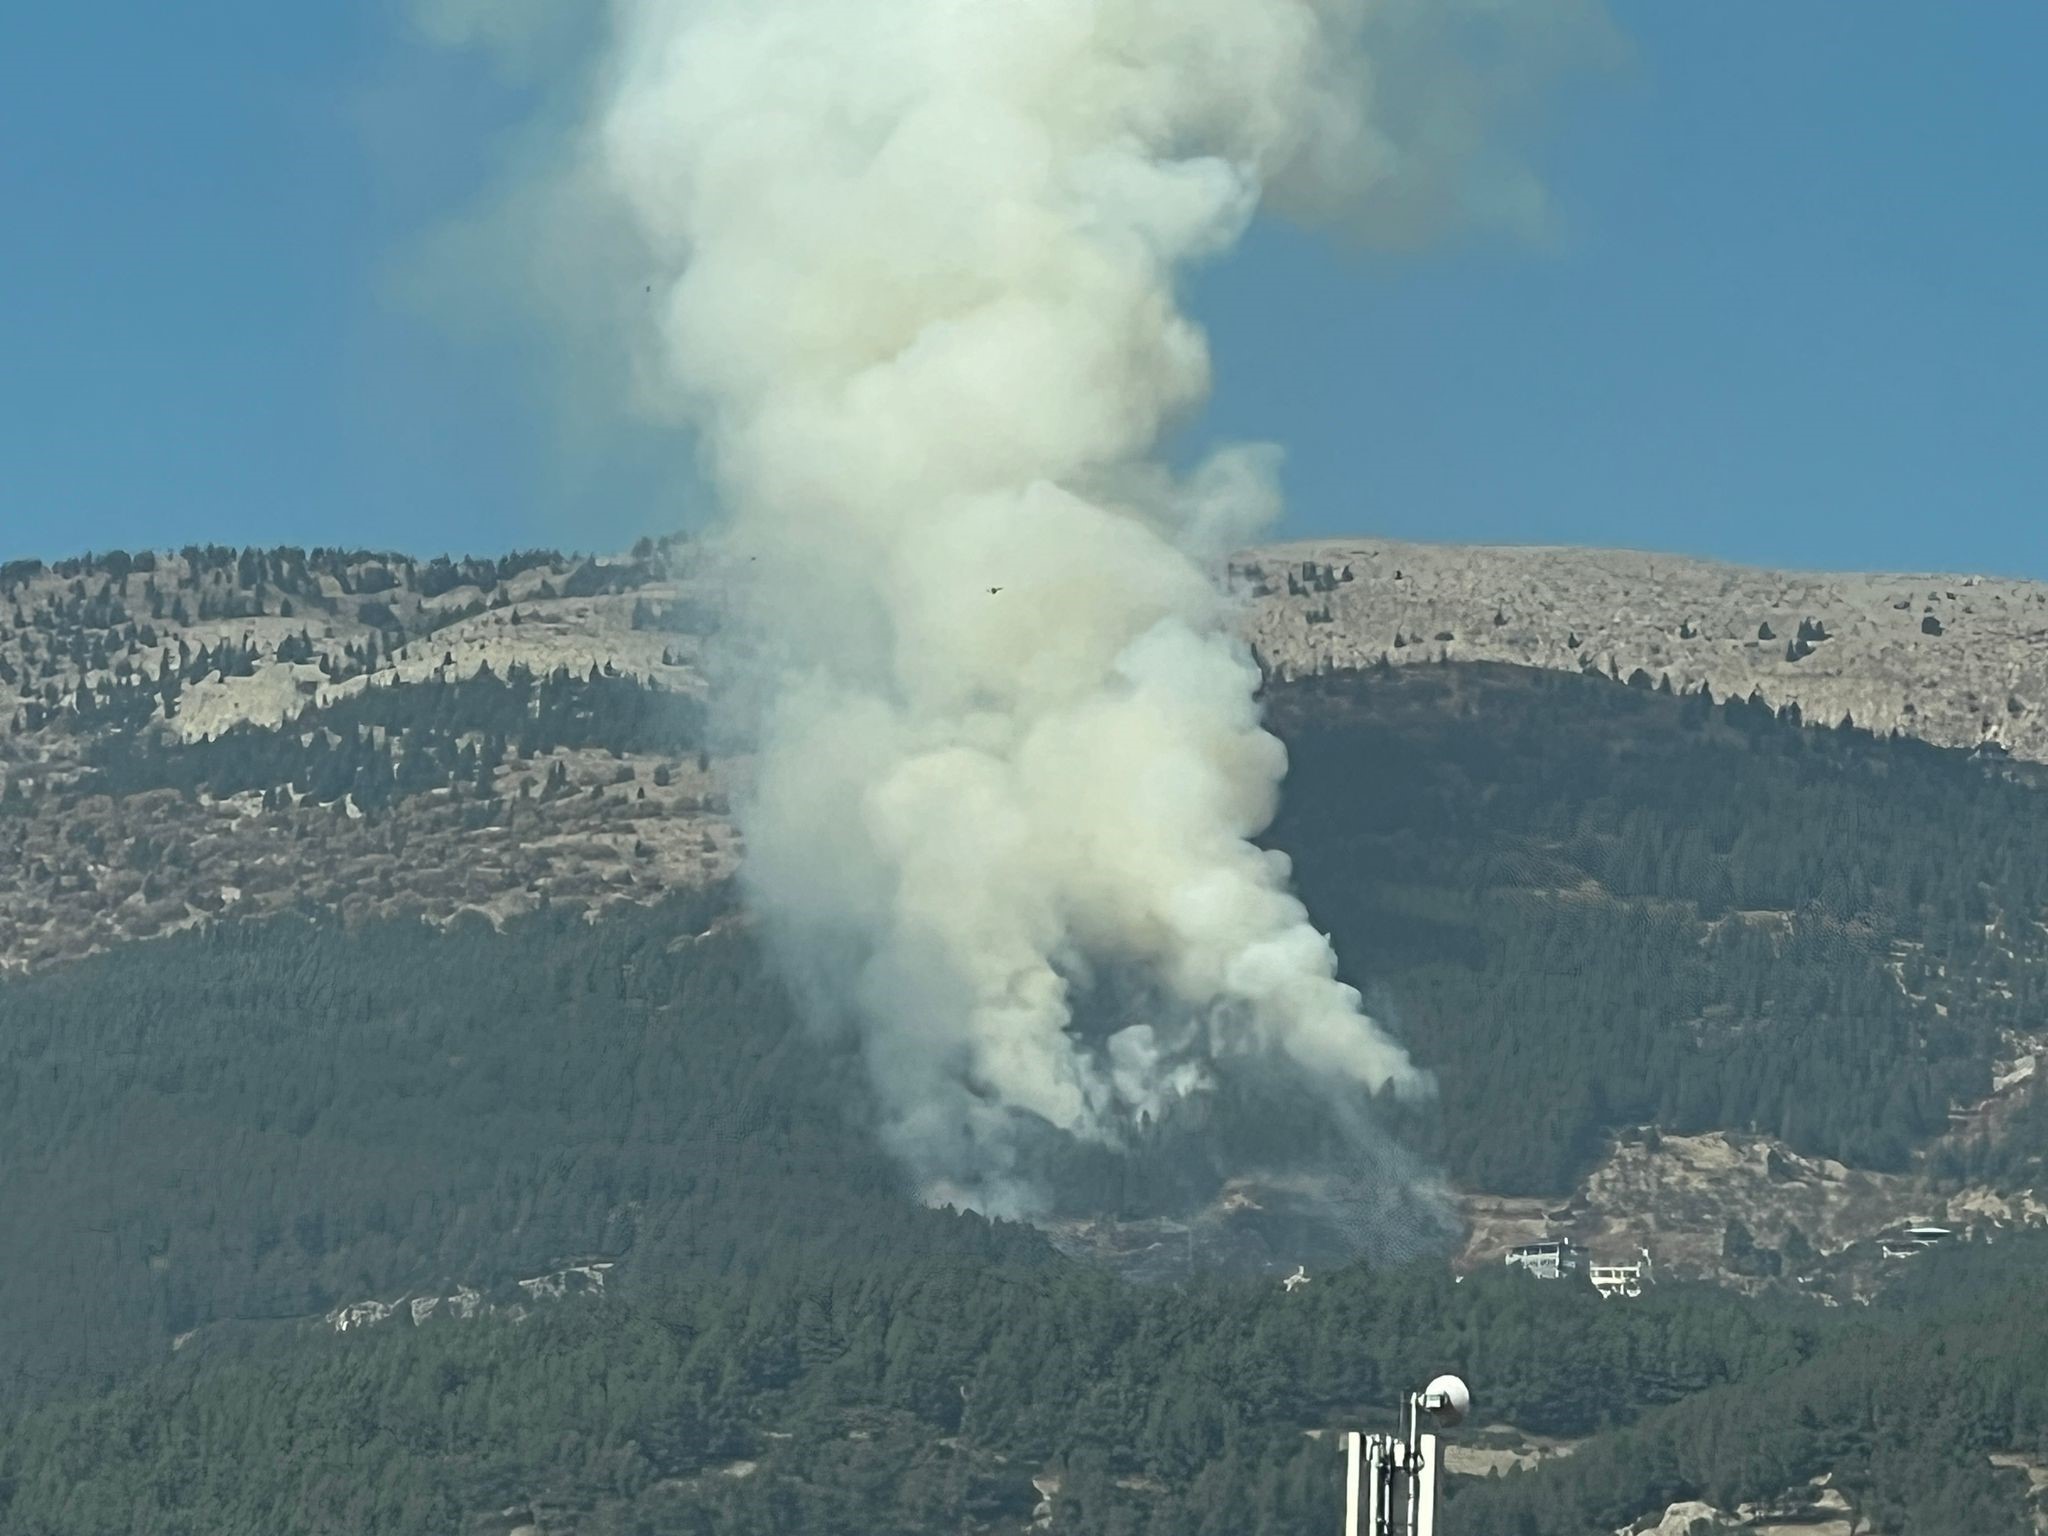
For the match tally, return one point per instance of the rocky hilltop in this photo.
(1959, 661)
(206, 731)
(265, 636)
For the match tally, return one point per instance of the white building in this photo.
(1904, 1244)
(1551, 1260)
(1622, 1279)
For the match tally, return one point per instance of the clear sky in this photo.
(1795, 313)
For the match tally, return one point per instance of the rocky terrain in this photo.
(158, 655)
(1818, 1508)
(1957, 660)
(187, 647)
(1815, 1223)
(1810, 1222)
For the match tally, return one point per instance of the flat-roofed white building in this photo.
(1911, 1240)
(1551, 1260)
(1622, 1279)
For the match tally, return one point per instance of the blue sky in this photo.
(1795, 313)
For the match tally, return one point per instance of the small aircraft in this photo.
(1297, 1280)
(992, 591)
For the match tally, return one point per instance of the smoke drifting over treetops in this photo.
(911, 273)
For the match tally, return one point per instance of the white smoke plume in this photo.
(913, 266)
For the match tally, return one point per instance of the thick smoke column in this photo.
(916, 266)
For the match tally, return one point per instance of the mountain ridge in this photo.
(1956, 660)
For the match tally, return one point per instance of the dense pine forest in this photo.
(265, 1122)
(933, 1394)
(1921, 1418)
(1590, 906)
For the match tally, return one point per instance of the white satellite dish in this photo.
(1447, 1400)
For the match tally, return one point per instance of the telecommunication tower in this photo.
(1391, 1481)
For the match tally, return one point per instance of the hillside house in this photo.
(1622, 1279)
(1908, 1241)
(1551, 1260)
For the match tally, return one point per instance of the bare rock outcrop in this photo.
(1959, 661)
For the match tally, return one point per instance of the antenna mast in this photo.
(1391, 1481)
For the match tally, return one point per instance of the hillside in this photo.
(1955, 660)
(921, 1397)
(380, 1012)
(134, 675)
(1590, 909)
(1523, 868)
(1694, 978)
(526, 729)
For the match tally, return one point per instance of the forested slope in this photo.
(939, 1396)
(1586, 907)
(859, 1397)
(1590, 906)
(1900, 1414)
(263, 1122)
